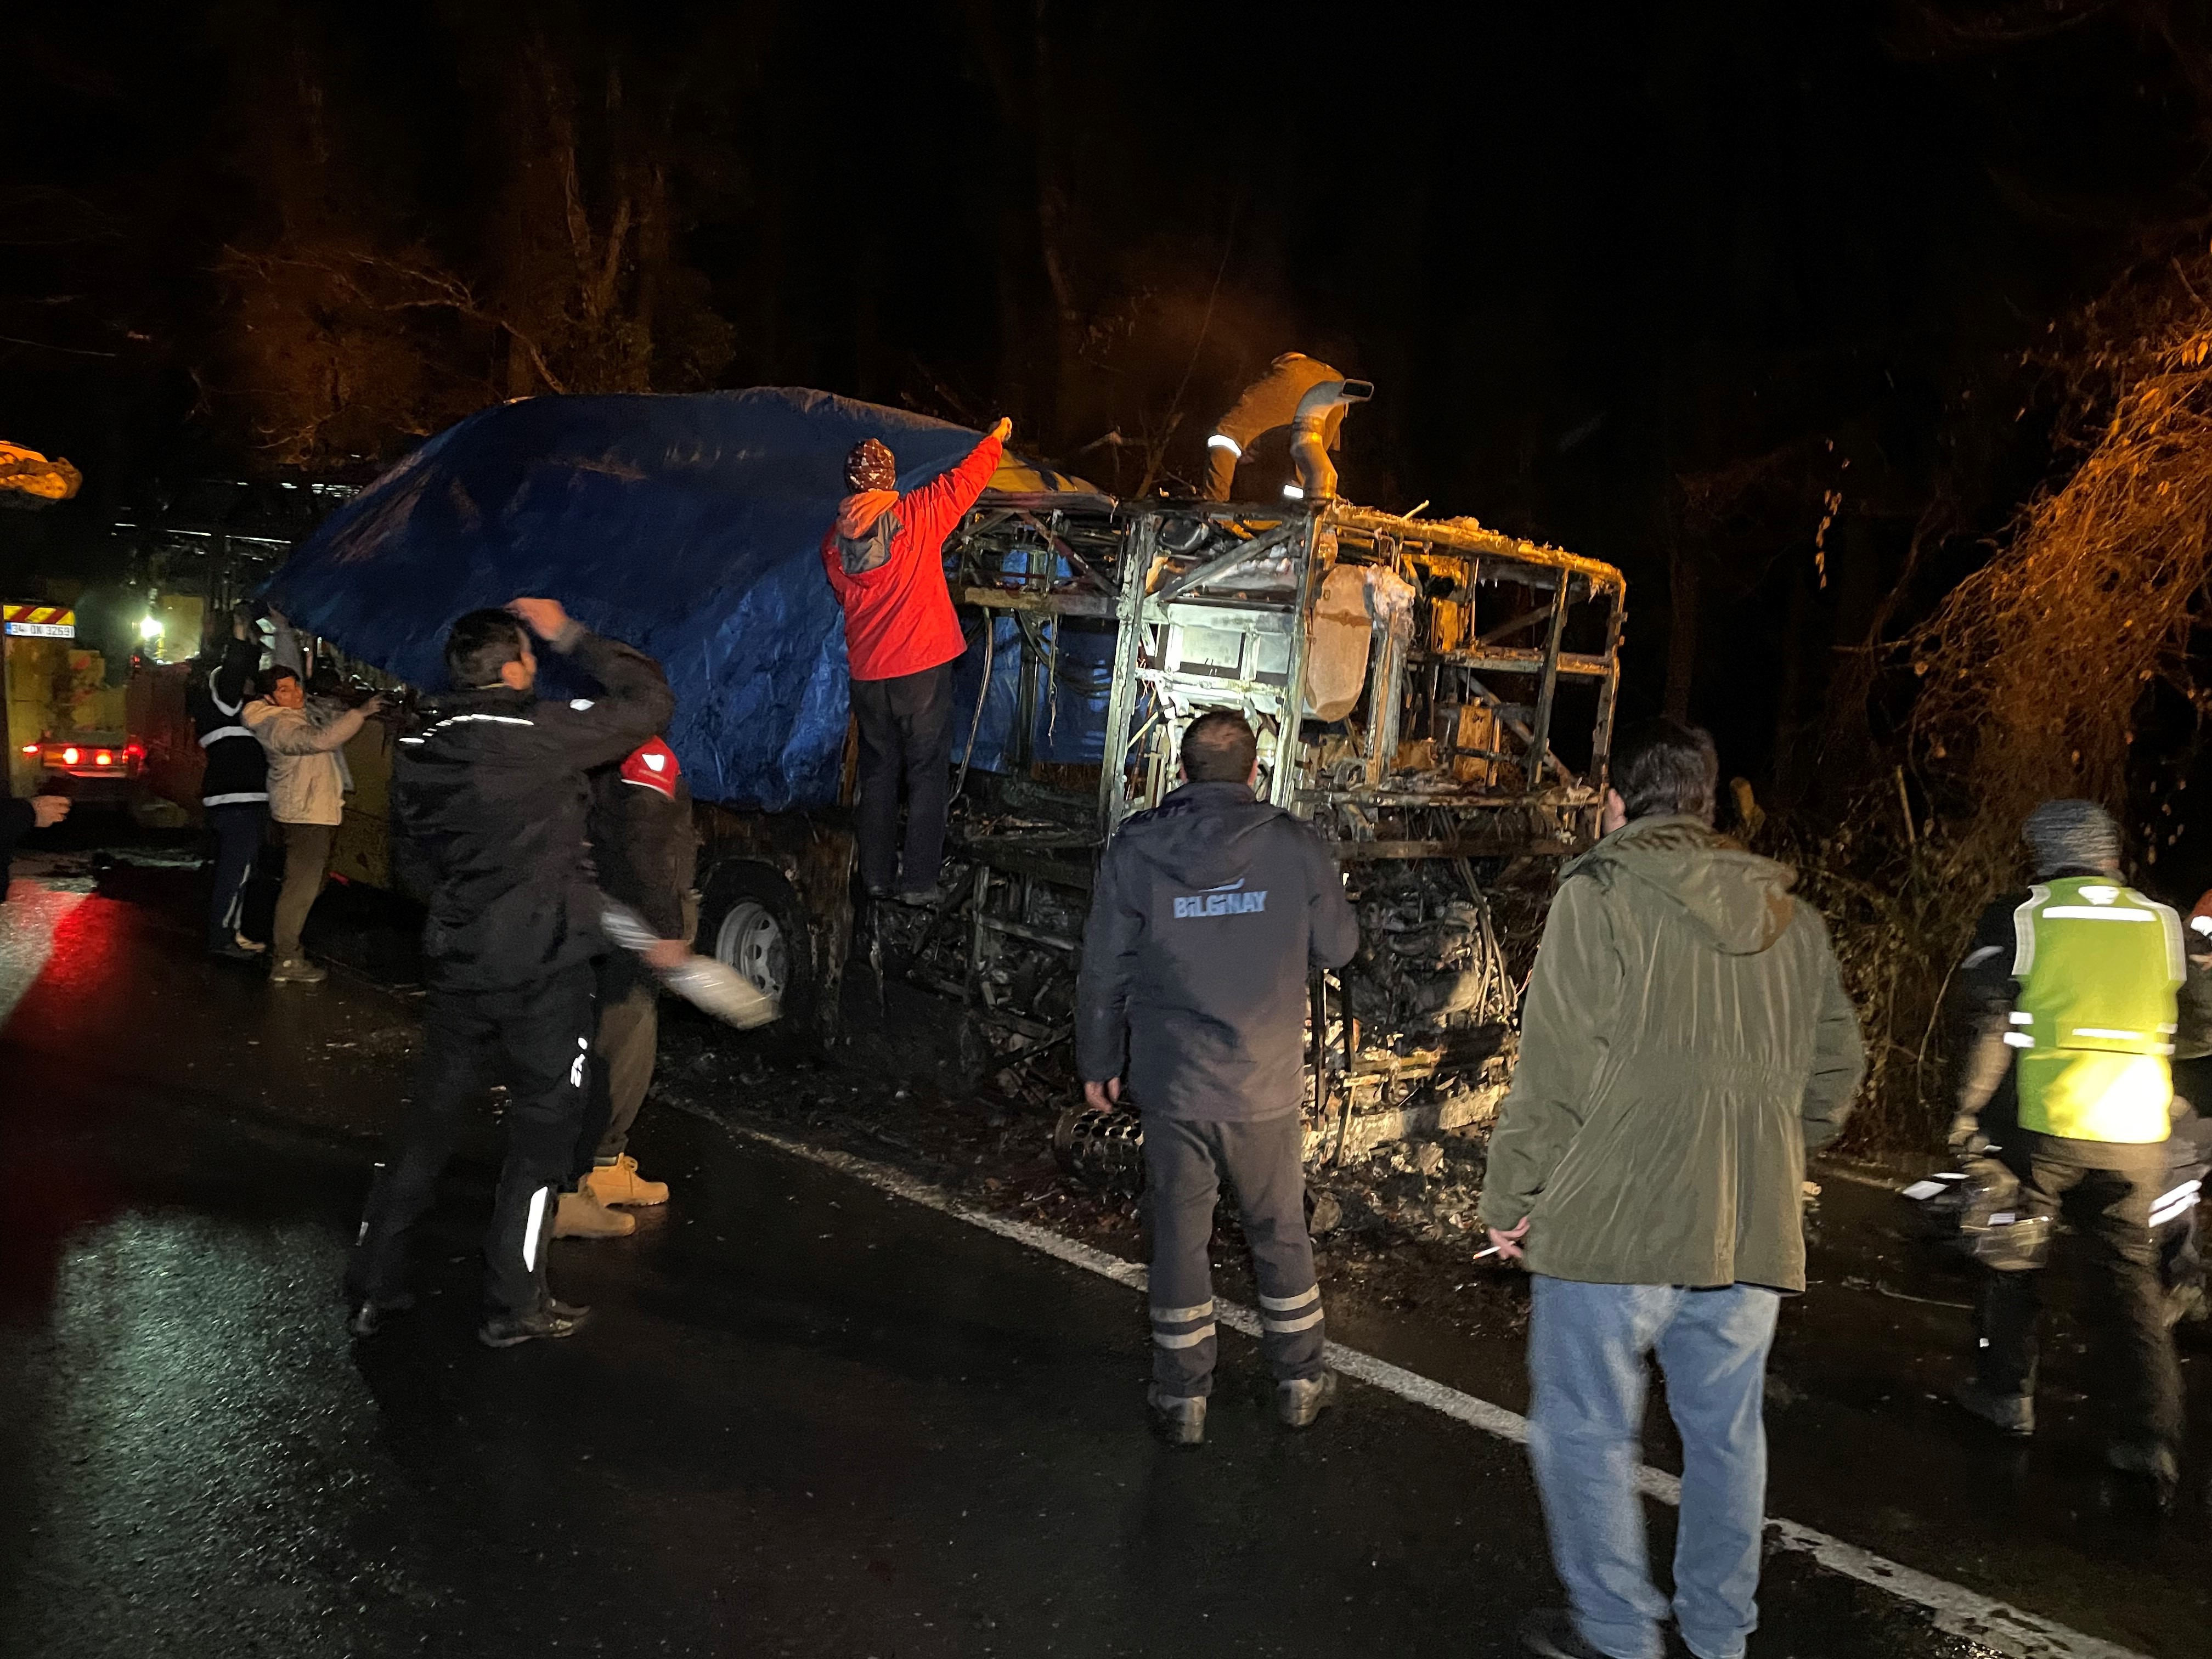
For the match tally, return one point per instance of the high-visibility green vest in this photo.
(2097, 965)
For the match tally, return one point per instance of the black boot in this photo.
(553, 1321)
(2150, 1462)
(2012, 1413)
(369, 1312)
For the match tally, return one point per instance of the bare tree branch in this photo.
(438, 291)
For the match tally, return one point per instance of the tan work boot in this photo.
(1301, 1400)
(582, 1216)
(297, 971)
(619, 1183)
(1179, 1420)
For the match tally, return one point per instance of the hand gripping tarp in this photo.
(689, 527)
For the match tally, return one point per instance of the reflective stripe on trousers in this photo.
(1283, 1315)
(1187, 1165)
(528, 1038)
(1183, 1328)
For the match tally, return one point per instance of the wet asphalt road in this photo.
(811, 1420)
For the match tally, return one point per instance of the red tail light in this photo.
(69, 758)
(134, 752)
(30, 749)
(103, 758)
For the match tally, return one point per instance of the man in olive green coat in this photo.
(1685, 1042)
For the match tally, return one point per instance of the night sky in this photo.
(1736, 296)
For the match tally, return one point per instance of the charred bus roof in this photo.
(1441, 666)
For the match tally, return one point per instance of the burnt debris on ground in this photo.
(1395, 1223)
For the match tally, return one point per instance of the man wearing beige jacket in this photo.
(308, 786)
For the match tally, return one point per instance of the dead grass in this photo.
(2034, 671)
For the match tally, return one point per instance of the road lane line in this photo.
(1957, 1610)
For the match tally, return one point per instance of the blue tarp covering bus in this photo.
(689, 526)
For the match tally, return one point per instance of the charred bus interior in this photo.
(1435, 696)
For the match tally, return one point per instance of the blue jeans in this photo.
(1587, 1348)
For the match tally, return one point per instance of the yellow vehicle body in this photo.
(362, 851)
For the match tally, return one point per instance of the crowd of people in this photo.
(492, 800)
(1686, 1042)
(519, 821)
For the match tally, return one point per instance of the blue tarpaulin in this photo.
(1072, 674)
(689, 527)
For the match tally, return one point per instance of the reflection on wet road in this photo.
(812, 1419)
(27, 940)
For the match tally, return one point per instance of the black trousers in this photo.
(2105, 1190)
(906, 732)
(1186, 1165)
(537, 1041)
(238, 829)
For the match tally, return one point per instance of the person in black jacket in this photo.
(234, 789)
(646, 850)
(490, 802)
(1208, 913)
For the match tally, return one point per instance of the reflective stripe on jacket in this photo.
(2098, 966)
(490, 801)
(237, 772)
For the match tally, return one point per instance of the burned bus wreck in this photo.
(1437, 698)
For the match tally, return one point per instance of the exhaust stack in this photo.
(1309, 438)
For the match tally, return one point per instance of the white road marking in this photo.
(1957, 1610)
(28, 920)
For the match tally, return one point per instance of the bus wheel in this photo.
(750, 919)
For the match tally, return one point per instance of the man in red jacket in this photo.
(886, 558)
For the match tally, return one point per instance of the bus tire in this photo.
(751, 920)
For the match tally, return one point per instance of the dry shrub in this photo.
(2035, 674)
(1900, 903)
(2034, 669)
